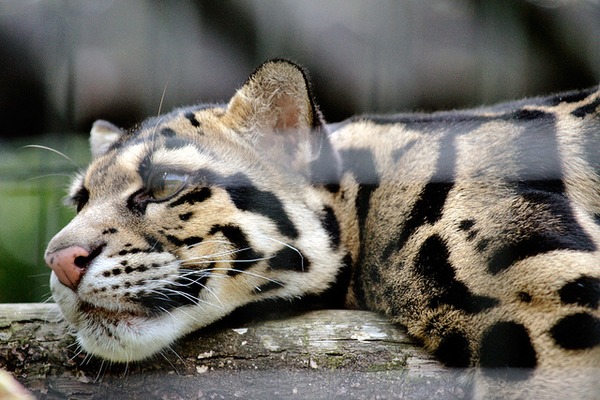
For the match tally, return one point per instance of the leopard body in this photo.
(477, 230)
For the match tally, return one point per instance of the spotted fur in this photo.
(477, 230)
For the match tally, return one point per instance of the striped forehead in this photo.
(188, 157)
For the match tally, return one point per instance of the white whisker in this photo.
(214, 255)
(162, 97)
(38, 146)
(47, 176)
(289, 246)
(250, 260)
(247, 273)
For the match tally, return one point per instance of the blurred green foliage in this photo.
(33, 181)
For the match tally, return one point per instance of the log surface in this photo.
(323, 354)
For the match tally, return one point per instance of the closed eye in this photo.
(164, 184)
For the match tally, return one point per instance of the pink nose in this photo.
(69, 264)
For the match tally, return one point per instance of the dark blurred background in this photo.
(66, 63)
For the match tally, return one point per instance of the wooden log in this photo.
(316, 355)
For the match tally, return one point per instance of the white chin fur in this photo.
(128, 337)
(133, 339)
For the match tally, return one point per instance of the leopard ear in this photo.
(102, 136)
(276, 97)
(276, 111)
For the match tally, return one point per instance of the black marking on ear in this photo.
(289, 259)
(454, 350)
(192, 118)
(433, 265)
(586, 110)
(331, 225)
(245, 256)
(189, 241)
(506, 346)
(248, 197)
(192, 197)
(267, 287)
(583, 291)
(577, 332)
(168, 132)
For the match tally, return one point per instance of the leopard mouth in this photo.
(100, 313)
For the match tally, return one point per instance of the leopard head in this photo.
(196, 213)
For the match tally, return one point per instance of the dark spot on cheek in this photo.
(189, 241)
(197, 195)
(109, 231)
(247, 197)
(245, 254)
(186, 216)
(289, 259)
(153, 243)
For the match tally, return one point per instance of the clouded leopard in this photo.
(477, 230)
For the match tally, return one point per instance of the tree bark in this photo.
(317, 355)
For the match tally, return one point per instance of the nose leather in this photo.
(66, 265)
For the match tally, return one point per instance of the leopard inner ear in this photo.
(275, 110)
(102, 136)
